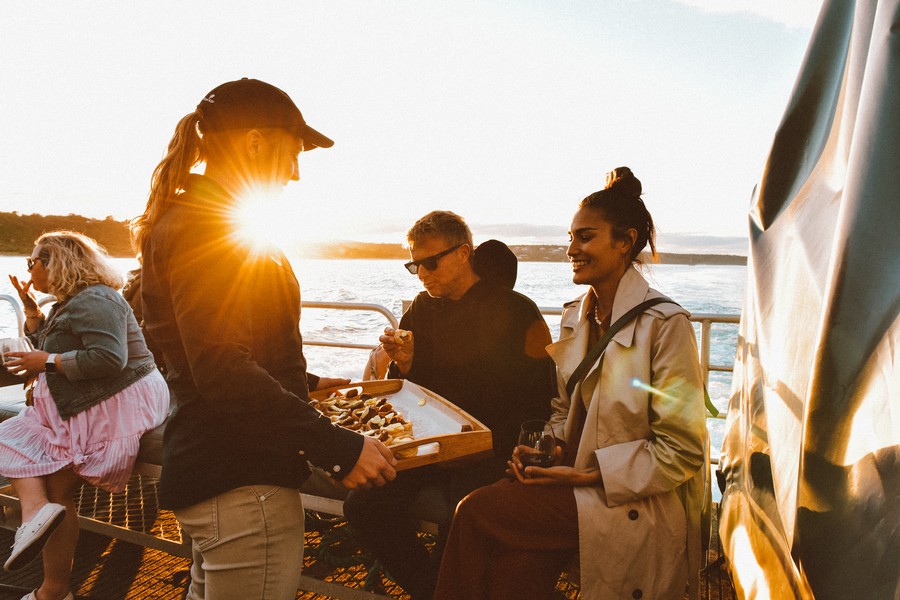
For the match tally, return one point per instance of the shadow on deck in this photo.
(113, 569)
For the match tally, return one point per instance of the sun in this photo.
(267, 219)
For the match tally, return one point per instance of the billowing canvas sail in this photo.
(812, 450)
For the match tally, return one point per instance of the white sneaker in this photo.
(31, 536)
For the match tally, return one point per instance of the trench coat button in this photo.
(302, 453)
(336, 468)
(637, 594)
(633, 515)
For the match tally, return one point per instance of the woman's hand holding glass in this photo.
(20, 358)
(537, 459)
(25, 364)
(537, 445)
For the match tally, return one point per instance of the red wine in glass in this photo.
(536, 459)
(536, 444)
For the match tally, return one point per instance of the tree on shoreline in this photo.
(18, 232)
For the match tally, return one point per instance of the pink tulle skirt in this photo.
(99, 444)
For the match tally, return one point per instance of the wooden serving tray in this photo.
(438, 435)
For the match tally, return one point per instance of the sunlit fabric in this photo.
(811, 454)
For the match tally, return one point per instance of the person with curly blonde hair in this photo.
(78, 261)
(96, 391)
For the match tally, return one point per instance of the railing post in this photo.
(705, 329)
(17, 309)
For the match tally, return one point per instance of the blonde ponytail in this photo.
(169, 177)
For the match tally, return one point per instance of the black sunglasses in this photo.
(429, 262)
(30, 261)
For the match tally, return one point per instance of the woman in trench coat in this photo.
(630, 478)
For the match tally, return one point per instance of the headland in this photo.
(18, 232)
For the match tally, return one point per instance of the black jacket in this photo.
(485, 353)
(227, 324)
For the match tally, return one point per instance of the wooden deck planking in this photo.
(113, 569)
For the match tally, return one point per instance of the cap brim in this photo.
(314, 139)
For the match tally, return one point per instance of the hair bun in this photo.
(623, 181)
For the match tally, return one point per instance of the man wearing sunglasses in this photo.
(477, 343)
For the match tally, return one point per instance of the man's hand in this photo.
(399, 345)
(375, 466)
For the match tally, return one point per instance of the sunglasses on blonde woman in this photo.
(31, 261)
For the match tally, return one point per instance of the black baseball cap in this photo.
(249, 103)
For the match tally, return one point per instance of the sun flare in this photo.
(266, 219)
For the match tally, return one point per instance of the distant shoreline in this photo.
(524, 252)
(18, 232)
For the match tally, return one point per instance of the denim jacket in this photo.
(100, 345)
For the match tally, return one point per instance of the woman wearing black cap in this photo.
(225, 318)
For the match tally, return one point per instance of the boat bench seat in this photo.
(12, 400)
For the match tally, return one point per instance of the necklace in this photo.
(597, 318)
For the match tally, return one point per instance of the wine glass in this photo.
(536, 444)
(19, 344)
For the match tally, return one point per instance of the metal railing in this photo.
(705, 320)
(17, 310)
(376, 308)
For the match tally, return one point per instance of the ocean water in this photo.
(699, 288)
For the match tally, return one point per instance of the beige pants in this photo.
(247, 544)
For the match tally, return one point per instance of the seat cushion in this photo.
(151, 448)
(12, 401)
(7, 379)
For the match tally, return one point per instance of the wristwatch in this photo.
(50, 365)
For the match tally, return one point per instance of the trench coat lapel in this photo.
(569, 352)
(632, 291)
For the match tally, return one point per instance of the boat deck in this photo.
(114, 569)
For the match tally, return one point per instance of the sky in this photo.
(507, 112)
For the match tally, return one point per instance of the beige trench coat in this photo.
(640, 532)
